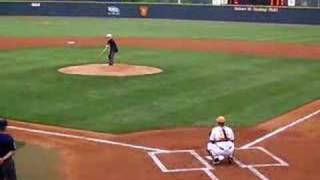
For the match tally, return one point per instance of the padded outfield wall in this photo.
(164, 11)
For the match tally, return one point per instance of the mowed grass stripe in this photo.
(156, 28)
(194, 89)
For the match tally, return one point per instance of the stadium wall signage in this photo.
(266, 14)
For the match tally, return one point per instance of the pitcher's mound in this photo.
(106, 70)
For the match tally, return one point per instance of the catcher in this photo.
(221, 142)
(113, 49)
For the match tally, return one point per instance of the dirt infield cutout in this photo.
(118, 70)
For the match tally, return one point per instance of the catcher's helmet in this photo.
(221, 119)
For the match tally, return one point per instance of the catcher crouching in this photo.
(221, 142)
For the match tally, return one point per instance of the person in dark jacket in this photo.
(7, 151)
(113, 49)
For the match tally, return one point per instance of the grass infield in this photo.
(193, 89)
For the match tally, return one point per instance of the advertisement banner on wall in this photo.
(144, 10)
(291, 2)
(35, 4)
(216, 2)
(258, 9)
(113, 11)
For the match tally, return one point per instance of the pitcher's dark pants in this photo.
(8, 170)
(111, 57)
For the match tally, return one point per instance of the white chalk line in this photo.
(276, 158)
(210, 174)
(191, 151)
(281, 162)
(206, 169)
(257, 173)
(279, 130)
(158, 162)
(252, 167)
(85, 138)
(204, 162)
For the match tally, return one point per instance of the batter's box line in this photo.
(156, 150)
(253, 167)
(206, 169)
(252, 144)
(279, 161)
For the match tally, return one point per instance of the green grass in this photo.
(193, 89)
(58, 26)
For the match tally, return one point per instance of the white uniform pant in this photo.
(221, 150)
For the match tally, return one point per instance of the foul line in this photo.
(86, 138)
(277, 131)
(250, 145)
(206, 170)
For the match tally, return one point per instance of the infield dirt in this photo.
(81, 159)
(268, 49)
(118, 70)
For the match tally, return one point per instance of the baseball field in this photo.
(264, 78)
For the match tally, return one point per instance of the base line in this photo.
(86, 138)
(277, 131)
(150, 149)
(250, 145)
(207, 171)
